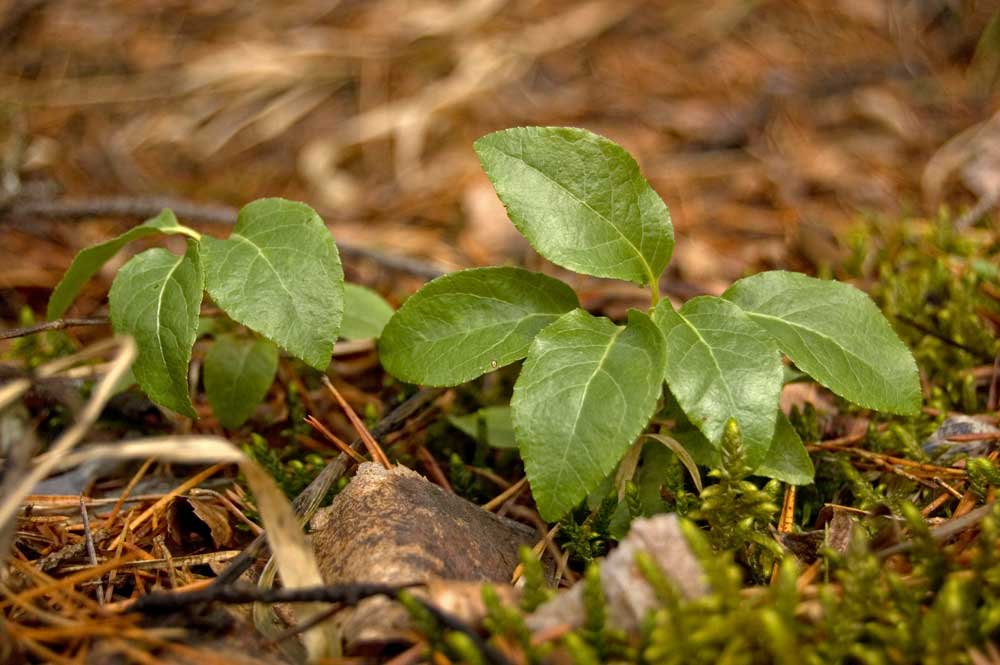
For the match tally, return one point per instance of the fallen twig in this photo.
(345, 594)
(943, 531)
(143, 207)
(58, 324)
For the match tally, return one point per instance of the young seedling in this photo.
(589, 387)
(278, 274)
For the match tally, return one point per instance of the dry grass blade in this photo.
(47, 463)
(682, 454)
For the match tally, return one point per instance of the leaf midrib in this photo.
(277, 274)
(715, 361)
(642, 259)
(159, 308)
(824, 336)
(583, 399)
(465, 332)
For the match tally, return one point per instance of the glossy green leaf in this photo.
(720, 366)
(279, 274)
(88, 261)
(495, 421)
(156, 298)
(836, 334)
(787, 459)
(470, 322)
(580, 201)
(365, 313)
(587, 389)
(238, 371)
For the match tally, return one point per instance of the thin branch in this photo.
(91, 552)
(346, 594)
(943, 531)
(143, 207)
(165, 602)
(121, 206)
(58, 324)
(947, 340)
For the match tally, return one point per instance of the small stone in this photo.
(629, 597)
(941, 446)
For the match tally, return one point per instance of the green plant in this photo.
(278, 274)
(589, 387)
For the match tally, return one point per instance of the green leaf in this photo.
(279, 274)
(587, 390)
(653, 473)
(238, 372)
(836, 334)
(470, 322)
(580, 201)
(90, 260)
(787, 459)
(719, 367)
(156, 298)
(682, 454)
(496, 420)
(365, 313)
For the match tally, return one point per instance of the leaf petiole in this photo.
(654, 290)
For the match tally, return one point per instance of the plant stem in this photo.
(654, 288)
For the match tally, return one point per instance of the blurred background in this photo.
(768, 126)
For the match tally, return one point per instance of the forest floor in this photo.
(855, 139)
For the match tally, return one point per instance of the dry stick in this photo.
(943, 531)
(91, 552)
(888, 460)
(58, 324)
(947, 340)
(346, 594)
(143, 207)
(308, 500)
(302, 627)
